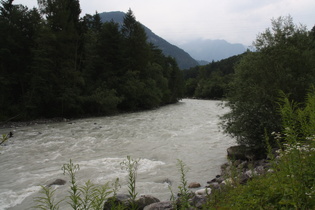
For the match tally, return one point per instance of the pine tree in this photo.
(18, 29)
(136, 46)
(65, 44)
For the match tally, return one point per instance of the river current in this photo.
(187, 130)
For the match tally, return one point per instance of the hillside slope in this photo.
(184, 60)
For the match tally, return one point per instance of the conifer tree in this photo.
(18, 29)
(64, 42)
(136, 46)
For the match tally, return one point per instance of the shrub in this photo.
(284, 61)
(291, 183)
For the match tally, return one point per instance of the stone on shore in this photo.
(198, 201)
(166, 205)
(124, 200)
(194, 185)
(146, 200)
(205, 191)
(118, 200)
(243, 152)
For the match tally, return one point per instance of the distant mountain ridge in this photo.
(184, 60)
(212, 50)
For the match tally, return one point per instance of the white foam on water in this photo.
(146, 165)
(105, 170)
(114, 164)
(185, 131)
(11, 198)
(108, 163)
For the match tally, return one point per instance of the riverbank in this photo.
(237, 171)
(17, 124)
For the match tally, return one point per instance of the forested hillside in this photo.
(55, 64)
(184, 60)
(210, 81)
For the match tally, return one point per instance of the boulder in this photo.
(244, 177)
(214, 185)
(205, 191)
(198, 201)
(166, 205)
(122, 200)
(243, 152)
(194, 185)
(57, 182)
(167, 181)
(146, 200)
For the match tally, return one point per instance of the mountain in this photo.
(212, 50)
(184, 60)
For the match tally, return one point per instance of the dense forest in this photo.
(54, 63)
(210, 81)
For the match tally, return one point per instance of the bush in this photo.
(291, 182)
(284, 61)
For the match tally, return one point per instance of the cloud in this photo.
(181, 20)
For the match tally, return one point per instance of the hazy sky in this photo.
(178, 21)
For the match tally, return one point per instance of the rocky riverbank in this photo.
(243, 164)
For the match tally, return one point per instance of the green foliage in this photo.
(61, 65)
(210, 81)
(291, 183)
(183, 187)
(75, 195)
(88, 196)
(184, 194)
(298, 119)
(18, 31)
(47, 200)
(4, 138)
(284, 61)
(131, 165)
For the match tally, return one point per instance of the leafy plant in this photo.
(4, 138)
(88, 196)
(47, 200)
(184, 193)
(131, 165)
(282, 61)
(75, 195)
(291, 181)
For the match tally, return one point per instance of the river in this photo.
(187, 130)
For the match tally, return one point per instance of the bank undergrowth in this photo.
(290, 183)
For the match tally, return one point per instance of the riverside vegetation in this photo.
(54, 63)
(289, 184)
(60, 68)
(90, 196)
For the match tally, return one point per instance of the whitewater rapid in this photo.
(187, 130)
